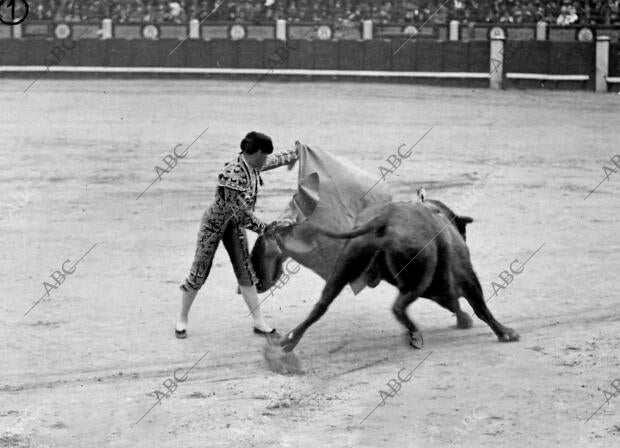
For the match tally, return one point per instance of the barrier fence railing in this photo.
(281, 29)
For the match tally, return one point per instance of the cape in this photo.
(331, 191)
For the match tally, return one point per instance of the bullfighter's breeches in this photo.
(236, 244)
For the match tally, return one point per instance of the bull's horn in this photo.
(421, 194)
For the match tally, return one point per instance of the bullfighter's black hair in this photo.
(256, 141)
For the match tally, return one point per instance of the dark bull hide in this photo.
(420, 249)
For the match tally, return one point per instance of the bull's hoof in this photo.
(509, 335)
(289, 342)
(463, 321)
(416, 340)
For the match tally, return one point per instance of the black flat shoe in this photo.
(180, 334)
(271, 333)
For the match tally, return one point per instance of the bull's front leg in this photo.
(330, 292)
(347, 269)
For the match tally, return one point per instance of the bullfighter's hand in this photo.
(277, 225)
(292, 164)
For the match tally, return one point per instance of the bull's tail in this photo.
(373, 224)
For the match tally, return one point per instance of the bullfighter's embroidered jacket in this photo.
(235, 197)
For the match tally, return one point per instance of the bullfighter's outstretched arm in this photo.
(281, 158)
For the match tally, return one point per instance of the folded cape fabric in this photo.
(331, 192)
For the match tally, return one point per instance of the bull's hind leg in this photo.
(348, 268)
(473, 293)
(463, 321)
(400, 312)
(413, 276)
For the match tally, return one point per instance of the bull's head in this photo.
(267, 261)
(460, 222)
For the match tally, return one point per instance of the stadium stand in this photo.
(565, 12)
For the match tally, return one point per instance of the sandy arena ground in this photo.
(82, 367)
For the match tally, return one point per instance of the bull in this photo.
(420, 249)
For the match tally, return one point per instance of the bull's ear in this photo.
(465, 219)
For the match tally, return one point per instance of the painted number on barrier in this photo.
(497, 33)
(324, 32)
(237, 32)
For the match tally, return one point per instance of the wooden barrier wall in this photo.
(614, 59)
(426, 56)
(433, 56)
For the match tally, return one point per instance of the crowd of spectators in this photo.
(561, 12)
